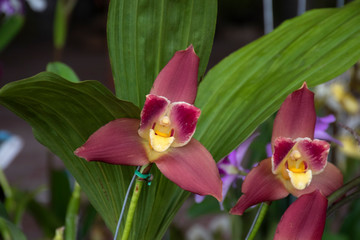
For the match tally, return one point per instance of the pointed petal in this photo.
(183, 117)
(192, 168)
(260, 185)
(296, 117)
(327, 182)
(315, 152)
(282, 147)
(304, 219)
(117, 143)
(154, 107)
(177, 81)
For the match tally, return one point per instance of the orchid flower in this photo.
(321, 125)
(164, 134)
(230, 168)
(298, 164)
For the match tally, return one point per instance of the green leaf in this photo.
(9, 28)
(63, 71)
(7, 227)
(245, 88)
(143, 36)
(14, 232)
(63, 115)
(60, 193)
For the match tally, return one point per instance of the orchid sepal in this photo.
(296, 116)
(177, 81)
(305, 218)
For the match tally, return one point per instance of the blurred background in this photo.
(36, 172)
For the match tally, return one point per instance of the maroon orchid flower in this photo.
(299, 163)
(164, 134)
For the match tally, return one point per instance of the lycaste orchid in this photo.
(298, 166)
(164, 134)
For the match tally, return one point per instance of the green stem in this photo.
(344, 189)
(342, 202)
(5, 184)
(258, 220)
(132, 207)
(72, 213)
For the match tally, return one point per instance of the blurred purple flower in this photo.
(12, 7)
(321, 125)
(230, 168)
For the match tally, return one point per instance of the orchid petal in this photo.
(154, 107)
(199, 198)
(296, 117)
(282, 147)
(329, 180)
(117, 143)
(192, 168)
(325, 136)
(227, 180)
(268, 150)
(304, 219)
(178, 80)
(322, 123)
(242, 149)
(315, 152)
(260, 185)
(183, 117)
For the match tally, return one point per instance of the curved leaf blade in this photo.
(244, 89)
(144, 35)
(63, 115)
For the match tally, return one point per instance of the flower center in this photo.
(296, 170)
(161, 135)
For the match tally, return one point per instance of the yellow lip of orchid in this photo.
(159, 141)
(295, 169)
(161, 135)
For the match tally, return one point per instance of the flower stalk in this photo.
(72, 213)
(343, 190)
(134, 200)
(257, 220)
(130, 216)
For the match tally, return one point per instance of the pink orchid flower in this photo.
(298, 165)
(164, 134)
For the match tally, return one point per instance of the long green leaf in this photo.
(143, 35)
(248, 86)
(63, 115)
